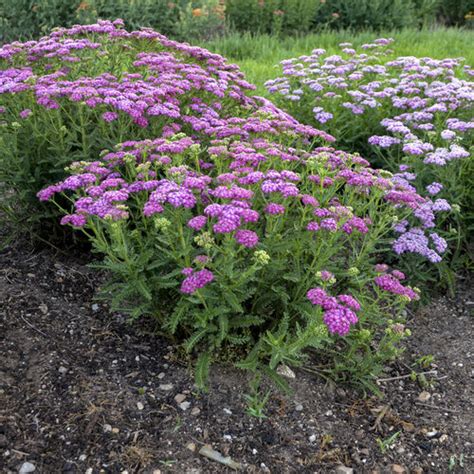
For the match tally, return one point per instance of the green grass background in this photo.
(258, 56)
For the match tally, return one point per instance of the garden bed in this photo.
(83, 391)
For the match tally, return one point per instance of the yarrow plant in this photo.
(73, 93)
(249, 245)
(411, 115)
(233, 225)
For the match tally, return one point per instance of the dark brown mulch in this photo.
(83, 391)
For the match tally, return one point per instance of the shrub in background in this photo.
(366, 14)
(301, 16)
(412, 116)
(204, 22)
(455, 12)
(181, 19)
(21, 19)
(271, 16)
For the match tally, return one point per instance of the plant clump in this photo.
(73, 93)
(249, 246)
(411, 115)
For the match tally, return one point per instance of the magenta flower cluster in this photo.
(390, 282)
(195, 280)
(339, 313)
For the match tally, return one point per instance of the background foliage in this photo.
(185, 19)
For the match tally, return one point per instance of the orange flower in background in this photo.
(197, 12)
(335, 15)
(261, 3)
(219, 10)
(278, 12)
(82, 6)
(171, 5)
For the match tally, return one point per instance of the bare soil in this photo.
(83, 391)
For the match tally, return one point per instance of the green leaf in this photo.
(201, 375)
(251, 361)
(194, 339)
(223, 328)
(245, 321)
(174, 320)
(292, 277)
(232, 299)
(143, 289)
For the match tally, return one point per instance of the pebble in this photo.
(397, 469)
(184, 405)
(107, 428)
(226, 410)
(285, 371)
(161, 375)
(299, 408)
(195, 411)
(417, 470)
(82, 457)
(191, 447)
(167, 387)
(26, 467)
(312, 438)
(424, 396)
(344, 470)
(62, 370)
(180, 398)
(95, 307)
(140, 405)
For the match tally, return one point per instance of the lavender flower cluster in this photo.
(424, 104)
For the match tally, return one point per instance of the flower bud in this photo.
(161, 223)
(353, 271)
(204, 240)
(261, 257)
